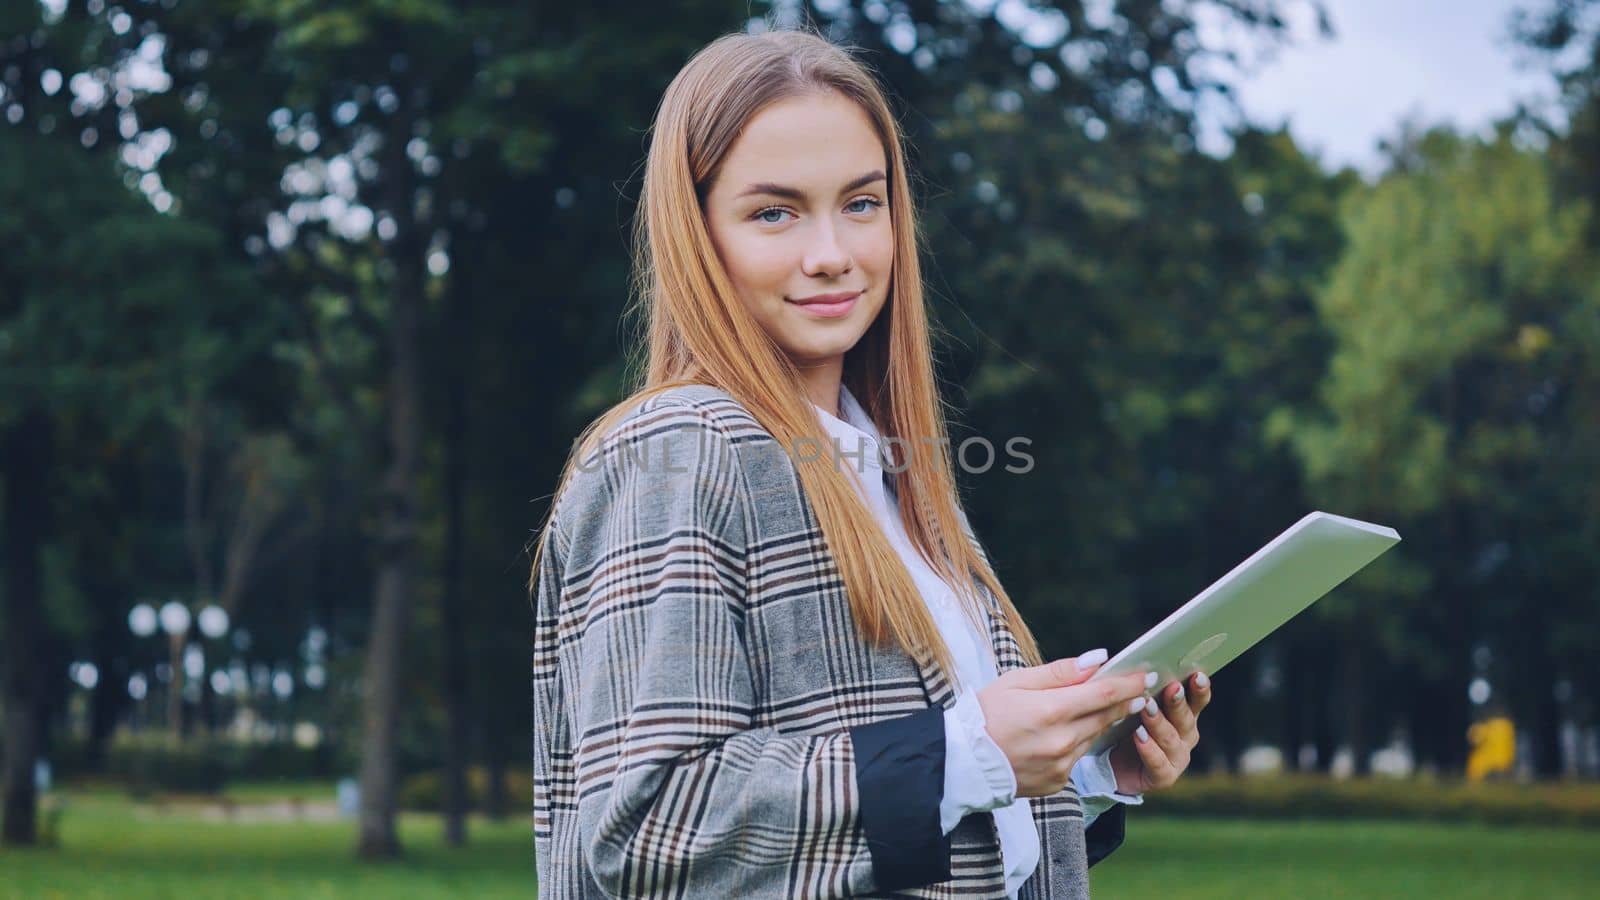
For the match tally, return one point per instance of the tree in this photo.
(433, 114)
(101, 334)
(1565, 35)
(1458, 317)
(1100, 286)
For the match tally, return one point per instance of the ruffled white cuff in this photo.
(977, 775)
(1097, 786)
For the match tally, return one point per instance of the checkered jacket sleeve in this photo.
(678, 792)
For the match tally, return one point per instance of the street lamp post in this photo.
(143, 622)
(213, 624)
(175, 622)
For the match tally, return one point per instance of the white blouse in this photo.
(977, 777)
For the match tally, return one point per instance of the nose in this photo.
(826, 255)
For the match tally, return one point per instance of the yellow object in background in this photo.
(1494, 747)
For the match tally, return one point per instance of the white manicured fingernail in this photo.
(1092, 658)
(1200, 680)
(1150, 679)
(1135, 705)
(1144, 736)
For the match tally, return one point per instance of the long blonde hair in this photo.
(699, 332)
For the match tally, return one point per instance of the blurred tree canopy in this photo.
(302, 304)
(1464, 313)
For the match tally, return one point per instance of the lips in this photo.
(828, 306)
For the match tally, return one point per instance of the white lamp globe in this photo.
(213, 621)
(174, 618)
(142, 620)
(194, 661)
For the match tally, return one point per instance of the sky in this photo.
(1442, 60)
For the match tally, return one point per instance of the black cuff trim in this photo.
(900, 777)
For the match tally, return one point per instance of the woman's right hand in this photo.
(1045, 718)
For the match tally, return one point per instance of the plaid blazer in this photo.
(708, 722)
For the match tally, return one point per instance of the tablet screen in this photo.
(1290, 573)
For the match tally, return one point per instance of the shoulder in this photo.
(676, 447)
(702, 405)
(709, 415)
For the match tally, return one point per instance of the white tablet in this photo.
(1290, 573)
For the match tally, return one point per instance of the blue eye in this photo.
(761, 215)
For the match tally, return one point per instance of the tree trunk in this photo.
(452, 615)
(1296, 710)
(1422, 713)
(108, 586)
(175, 644)
(495, 794)
(1546, 728)
(1355, 707)
(1325, 736)
(397, 513)
(391, 614)
(110, 697)
(27, 497)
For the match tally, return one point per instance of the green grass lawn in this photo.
(111, 847)
(1192, 859)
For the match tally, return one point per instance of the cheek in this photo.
(877, 252)
(757, 264)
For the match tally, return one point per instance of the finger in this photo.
(1199, 692)
(1177, 708)
(1171, 739)
(1086, 730)
(1100, 697)
(1059, 672)
(1159, 770)
(1115, 713)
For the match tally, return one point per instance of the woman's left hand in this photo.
(1170, 731)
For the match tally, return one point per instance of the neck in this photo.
(821, 380)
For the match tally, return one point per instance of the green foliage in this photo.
(1466, 264)
(1200, 349)
(154, 765)
(424, 791)
(1457, 406)
(109, 307)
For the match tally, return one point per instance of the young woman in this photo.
(771, 658)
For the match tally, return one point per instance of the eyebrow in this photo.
(781, 190)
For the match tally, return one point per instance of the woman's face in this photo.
(799, 211)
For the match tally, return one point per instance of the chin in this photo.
(816, 351)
